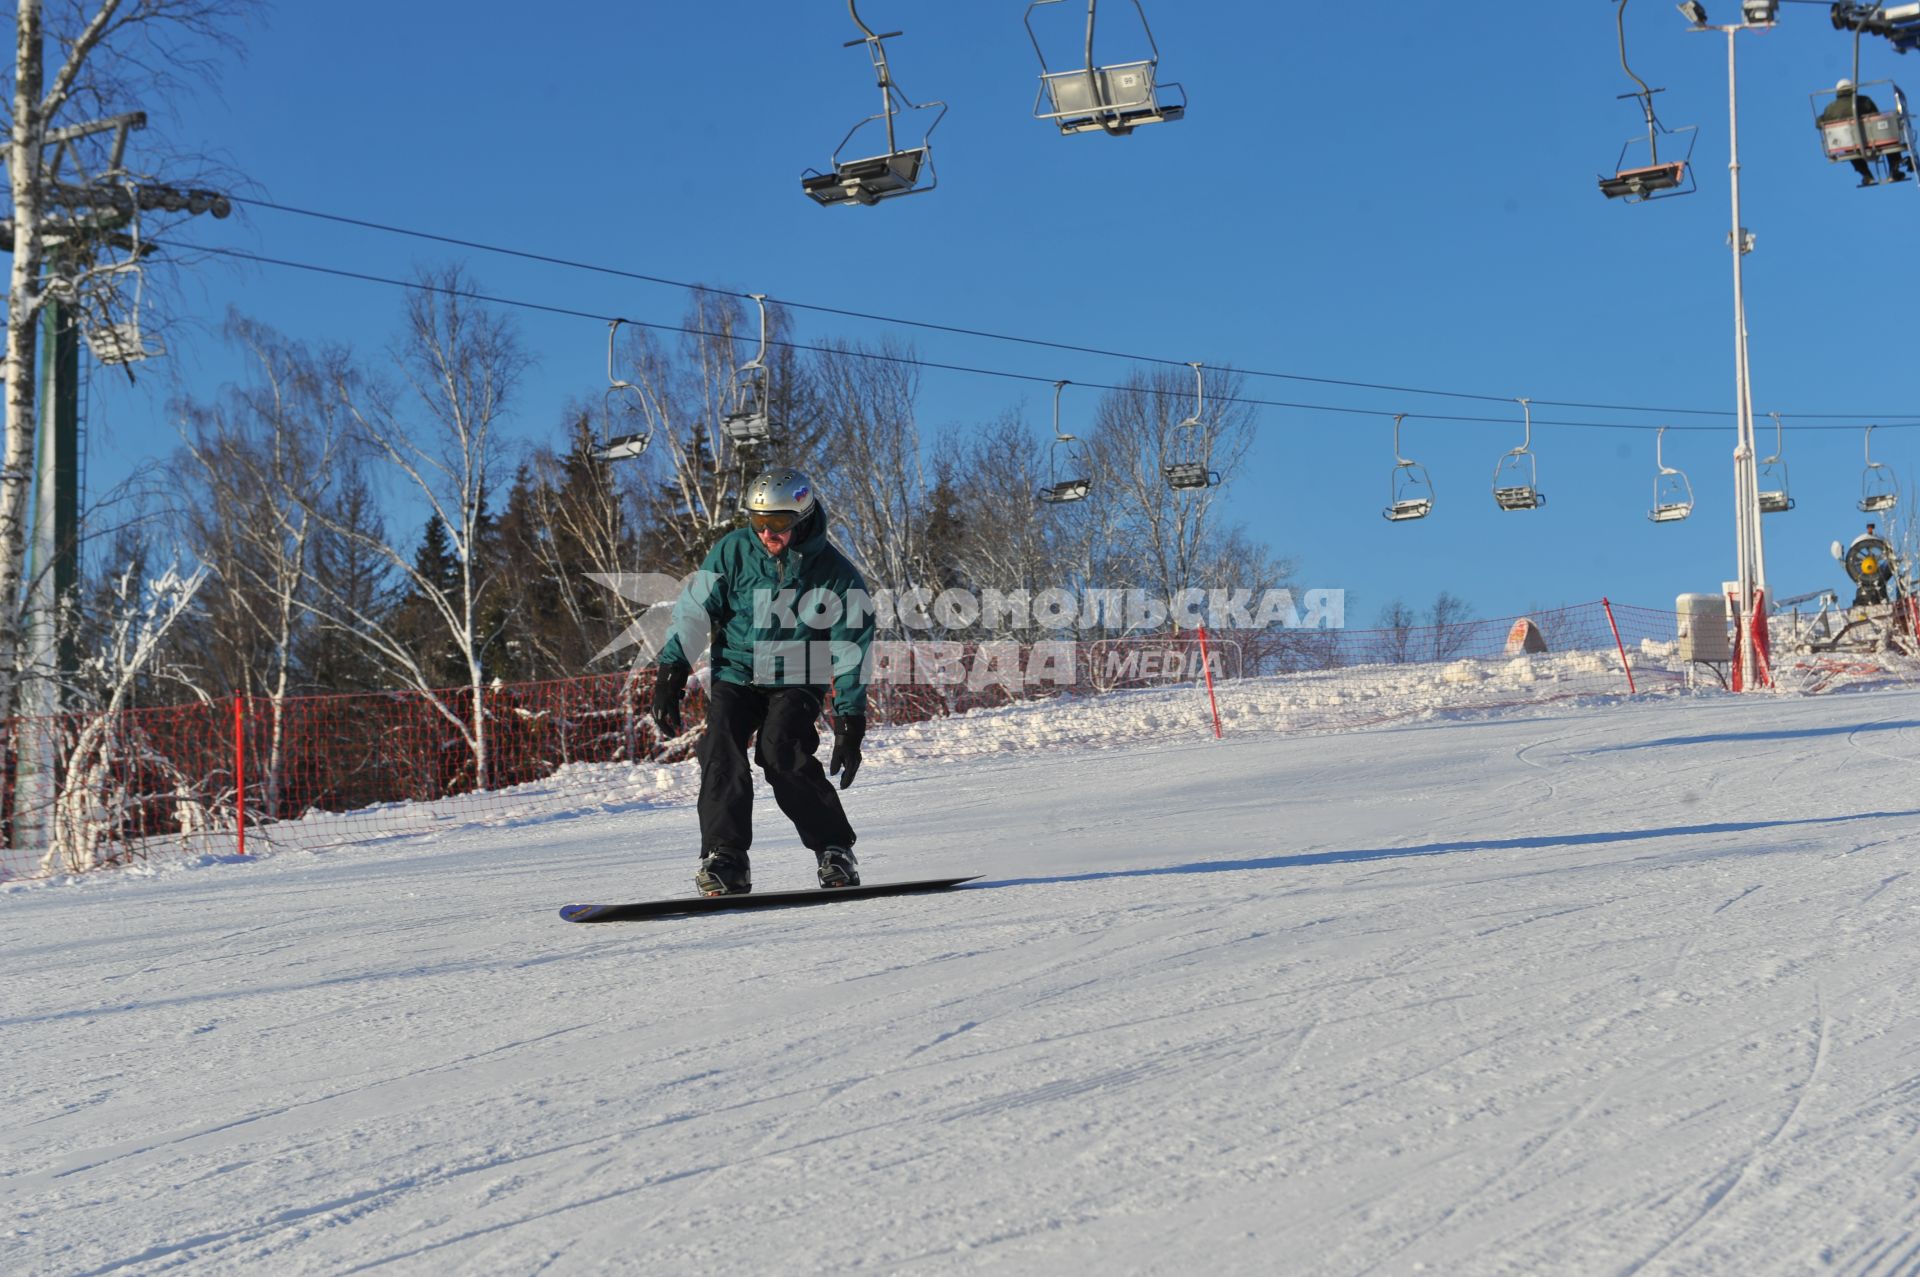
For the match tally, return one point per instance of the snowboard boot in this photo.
(723, 872)
(838, 868)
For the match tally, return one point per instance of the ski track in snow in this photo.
(1607, 989)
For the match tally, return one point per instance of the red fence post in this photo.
(240, 771)
(1631, 690)
(1207, 664)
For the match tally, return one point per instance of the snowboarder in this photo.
(790, 626)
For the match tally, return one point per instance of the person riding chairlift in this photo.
(1841, 109)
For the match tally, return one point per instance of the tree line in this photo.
(362, 521)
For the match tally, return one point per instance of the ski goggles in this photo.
(773, 520)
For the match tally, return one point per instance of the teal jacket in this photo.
(802, 617)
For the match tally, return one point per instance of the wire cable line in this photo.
(1890, 422)
(988, 335)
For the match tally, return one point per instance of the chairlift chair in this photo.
(750, 424)
(1411, 489)
(1516, 474)
(1877, 139)
(1775, 497)
(1640, 173)
(1672, 492)
(1066, 463)
(1878, 491)
(1889, 135)
(1186, 475)
(893, 172)
(1114, 99)
(1188, 469)
(619, 447)
(121, 342)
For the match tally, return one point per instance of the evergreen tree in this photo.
(417, 618)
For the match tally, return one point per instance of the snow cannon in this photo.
(1869, 564)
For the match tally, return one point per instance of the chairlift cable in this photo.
(984, 334)
(1888, 421)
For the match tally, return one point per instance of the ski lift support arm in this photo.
(1899, 23)
(877, 50)
(1645, 94)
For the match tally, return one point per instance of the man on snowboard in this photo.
(790, 624)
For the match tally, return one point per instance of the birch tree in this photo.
(1004, 540)
(107, 55)
(256, 466)
(1159, 538)
(435, 430)
(684, 396)
(870, 473)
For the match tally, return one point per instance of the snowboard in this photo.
(681, 906)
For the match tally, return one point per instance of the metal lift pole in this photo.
(1750, 554)
(53, 540)
(1746, 487)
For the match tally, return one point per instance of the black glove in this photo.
(669, 682)
(847, 734)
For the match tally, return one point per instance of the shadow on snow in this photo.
(1797, 733)
(1360, 856)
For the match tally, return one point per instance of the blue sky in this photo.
(1392, 194)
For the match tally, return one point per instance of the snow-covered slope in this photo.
(1587, 989)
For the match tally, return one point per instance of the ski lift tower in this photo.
(94, 244)
(1750, 624)
(1899, 23)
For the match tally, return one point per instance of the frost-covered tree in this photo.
(255, 465)
(108, 748)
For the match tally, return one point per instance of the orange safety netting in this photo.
(85, 791)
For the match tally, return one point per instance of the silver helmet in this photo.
(781, 491)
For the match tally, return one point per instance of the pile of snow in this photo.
(1316, 702)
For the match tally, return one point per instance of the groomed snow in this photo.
(1586, 988)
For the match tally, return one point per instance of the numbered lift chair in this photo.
(1114, 99)
(618, 447)
(1412, 490)
(1640, 173)
(1067, 479)
(750, 425)
(1188, 468)
(1878, 491)
(1775, 496)
(891, 173)
(1855, 126)
(1516, 474)
(1672, 493)
(1887, 154)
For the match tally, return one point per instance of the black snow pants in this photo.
(784, 717)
